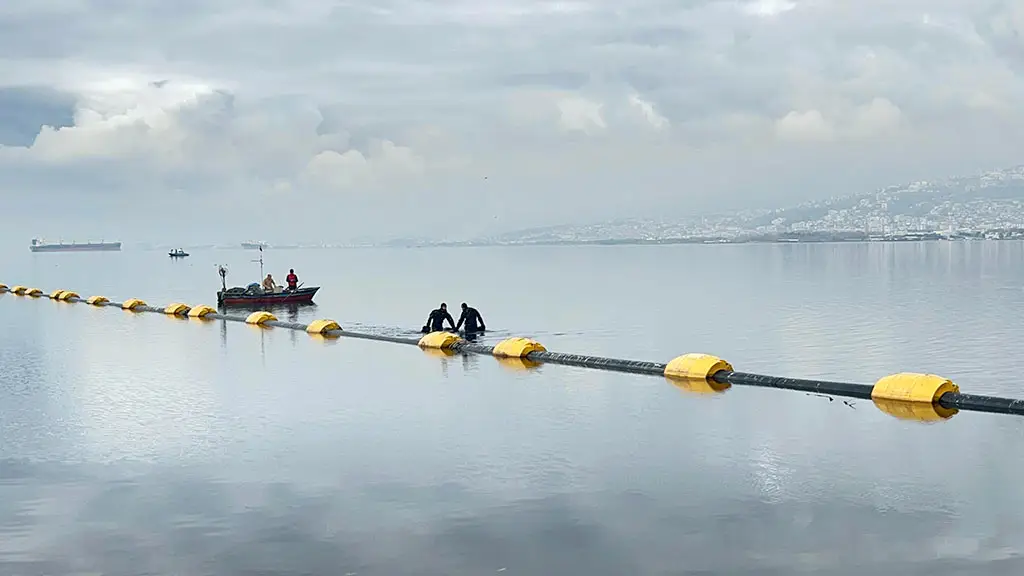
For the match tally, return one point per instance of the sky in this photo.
(306, 120)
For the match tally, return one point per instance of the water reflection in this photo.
(290, 312)
(470, 362)
(263, 344)
(179, 521)
(442, 355)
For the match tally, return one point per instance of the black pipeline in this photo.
(907, 395)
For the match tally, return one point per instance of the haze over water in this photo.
(141, 444)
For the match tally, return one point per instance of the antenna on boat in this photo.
(260, 260)
(223, 271)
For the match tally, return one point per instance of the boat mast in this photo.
(260, 261)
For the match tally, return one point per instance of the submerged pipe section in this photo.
(907, 395)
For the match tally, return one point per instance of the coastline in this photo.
(789, 238)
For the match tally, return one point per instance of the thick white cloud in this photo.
(388, 115)
(809, 125)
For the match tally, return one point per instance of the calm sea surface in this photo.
(141, 444)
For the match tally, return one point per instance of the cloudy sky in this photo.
(151, 120)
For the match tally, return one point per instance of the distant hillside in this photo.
(917, 199)
(990, 200)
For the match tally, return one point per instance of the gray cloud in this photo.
(389, 114)
(25, 110)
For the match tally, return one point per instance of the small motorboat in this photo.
(178, 253)
(254, 294)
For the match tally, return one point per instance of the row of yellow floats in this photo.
(905, 395)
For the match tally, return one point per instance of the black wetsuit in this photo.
(474, 322)
(437, 318)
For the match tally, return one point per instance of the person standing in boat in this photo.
(269, 285)
(292, 280)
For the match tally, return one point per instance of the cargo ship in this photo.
(41, 246)
(254, 245)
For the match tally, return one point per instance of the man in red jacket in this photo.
(292, 279)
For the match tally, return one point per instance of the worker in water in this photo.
(269, 285)
(435, 322)
(292, 279)
(472, 318)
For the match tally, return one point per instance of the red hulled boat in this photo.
(256, 296)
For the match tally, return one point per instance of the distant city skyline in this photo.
(986, 202)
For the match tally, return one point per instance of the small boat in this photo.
(253, 294)
(179, 253)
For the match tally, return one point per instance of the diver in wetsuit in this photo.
(435, 322)
(472, 318)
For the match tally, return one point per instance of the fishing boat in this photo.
(178, 253)
(255, 295)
